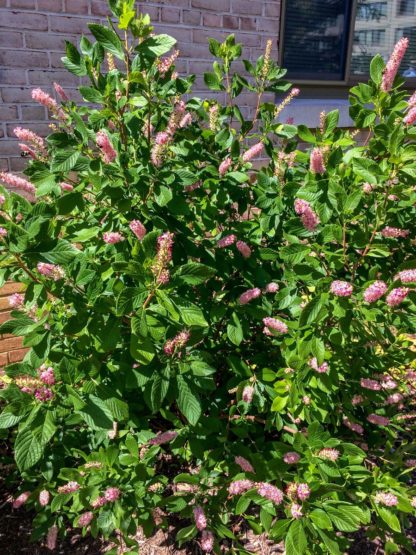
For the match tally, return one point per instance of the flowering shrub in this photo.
(207, 341)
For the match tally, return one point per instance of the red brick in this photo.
(55, 6)
(8, 148)
(1, 133)
(24, 20)
(248, 24)
(62, 24)
(8, 113)
(78, 7)
(152, 11)
(42, 129)
(3, 359)
(249, 7)
(8, 345)
(212, 20)
(181, 34)
(247, 39)
(4, 303)
(214, 5)
(10, 58)
(13, 77)
(191, 17)
(202, 36)
(12, 94)
(268, 25)
(198, 51)
(24, 4)
(230, 22)
(18, 164)
(11, 287)
(99, 8)
(38, 77)
(3, 3)
(272, 10)
(170, 15)
(18, 355)
(11, 39)
(35, 113)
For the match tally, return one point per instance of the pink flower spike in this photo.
(111, 238)
(70, 487)
(225, 166)
(317, 165)
(253, 152)
(61, 92)
(407, 276)
(3, 232)
(392, 66)
(244, 249)
(226, 241)
(66, 187)
(138, 229)
(296, 511)
(16, 300)
(394, 232)
(329, 454)
(52, 271)
(341, 288)
(303, 491)
(270, 492)
(244, 464)
(291, 457)
(46, 100)
(378, 420)
(44, 497)
(250, 295)
(276, 325)
(112, 494)
(397, 296)
(373, 385)
(271, 288)
(165, 437)
(200, 518)
(108, 153)
(248, 392)
(387, 499)
(52, 537)
(21, 500)
(410, 117)
(85, 519)
(322, 369)
(17, 182)
(240, 486)
(207, 541)
(375, 291)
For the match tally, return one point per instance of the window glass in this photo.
(378, 26)
(316, 39)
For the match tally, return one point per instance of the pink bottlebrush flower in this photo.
(413, 502)
(61, 92)
(185, 121)
(367, 188)
(30, 137)
(387, 382)
(21, 500)
(85, 519)
(46, 100)
(3, 232)
(412, 100)
(394, 399)
(291, 457)
(321, 369)
(387, 499)
(99, 502)
(70, 487)
(341, 288)
(93, 464)
(207, 541)
(303, 491)
(112, 494)
(2, 200)
(271, 288)
(17, 300)
(138, 229)
(17, 182)
(225, 166)
(393, 197)
(240, 486)
(394, 232)
(292, 490)
(392, 66)
(375, 291)
(165, 64)
(163, 257)
(248, 392)
(374, 385)
(66, 186)
(276, 325)
(43, 394)
(200, 518)
(112, 238)
(270, 492)
(296, 511)
(397, 296)
(410, 117)
(244, 249)
(162, 138)
(249, 295)
(353, 426)
(309, 219)
(27, 151)
(175, 118)
(378, 420)
(108, 153)
(165, 437)
(407, 276)
(253, 152)
(52, 537)
(44, 497)
(47, 375)
(329, 454)
(410, 463)
(306, 400)
(244, 464)
(317, 165)
(226, 241)
(177, 343)
(53, 271)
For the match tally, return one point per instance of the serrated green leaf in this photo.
(188, 401)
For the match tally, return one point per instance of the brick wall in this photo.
(32, 34)
(11, 349)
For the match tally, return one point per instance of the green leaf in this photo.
(142, 349)
(163, 196)
(64, 161)
(158, 45)
(321, 519)
(27, 449)
(91, 95)
(377, 66)
(342, 519)
(62, 253)
(188, 401)
(331, 121)
(367, 169)
(234, 330)
(296, 543)
(73, 60)
(108, 39)
(194, 273)
(192, 315)
(10, 416)
(96, 414)
(306, 135)
(389, 518)
(159, 389)
(212, 82)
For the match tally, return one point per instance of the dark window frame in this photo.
(350, 79)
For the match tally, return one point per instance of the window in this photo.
(335, 40)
